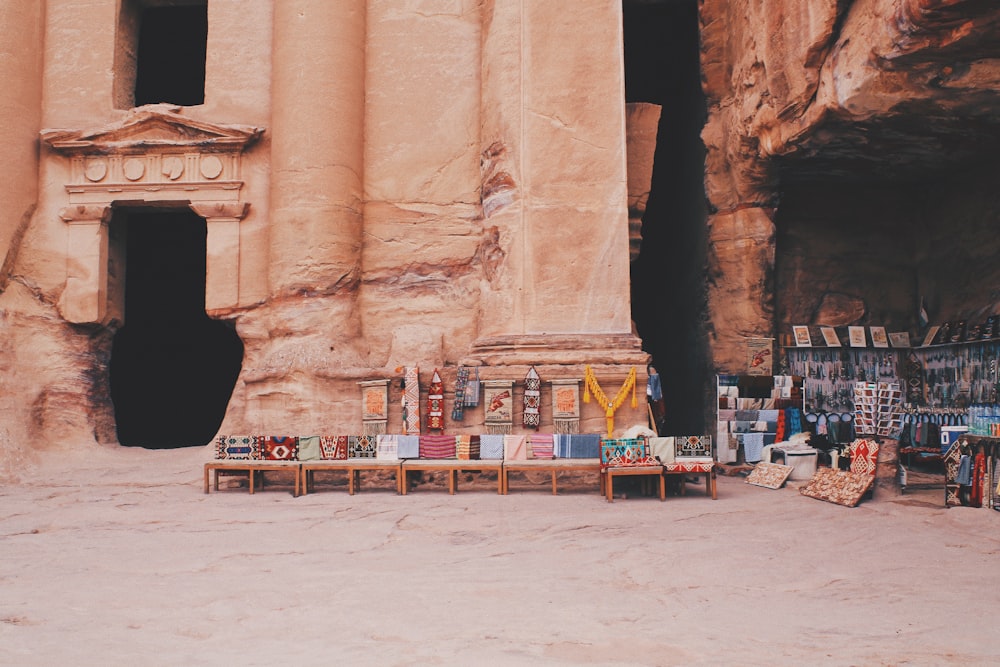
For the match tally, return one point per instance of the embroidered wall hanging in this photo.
(532, 398)
(411, 401)
(472, 389)
(566, 406)
(374, 406)
(435, 403)
(461, 383)
(610, 405)
(498, 396)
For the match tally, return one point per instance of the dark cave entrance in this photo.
(662, 66)
(172, 368)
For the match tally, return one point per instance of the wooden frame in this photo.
(213, 468)
(552, 466)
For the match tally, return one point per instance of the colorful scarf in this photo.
(411, 401)
(532, 398)
(435, 404)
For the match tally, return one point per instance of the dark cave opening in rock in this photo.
(662, 66)
(172, 367)
(170, 55)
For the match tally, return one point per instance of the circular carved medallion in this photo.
(211, 167)
(172, 167)
(133, 169)
(95, 170)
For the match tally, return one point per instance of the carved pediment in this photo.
(153, 127)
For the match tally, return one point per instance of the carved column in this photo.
(317, 143)
(222, 260)
(85, 298)
(554, 183)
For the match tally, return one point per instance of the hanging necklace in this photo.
(610, 405)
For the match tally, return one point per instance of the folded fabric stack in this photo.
(467, 448)
(438, 446)
(541, 446)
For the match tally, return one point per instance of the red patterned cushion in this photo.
(864, 456)
(689, 466)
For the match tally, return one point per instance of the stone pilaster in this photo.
(222, 268)
(85, 297)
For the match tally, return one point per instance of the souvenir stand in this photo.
(755, 411)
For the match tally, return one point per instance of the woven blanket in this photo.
(279, 448)
(362, 446)
(408, 447)
(578, 446)
(753, 446)
(622, 452)
(693, 445)
(309, 448)
(491, 447)
(333, 447)
(467, 448)
(387, 447)
(540, 446)
(438, 446)
(662, 449)
(411, 401)
(515, 448)
(237, 447)
(838, 486)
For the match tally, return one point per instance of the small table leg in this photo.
(609, 486)
(206, 478)
(553, 482)
(663, 487)
(402, 480)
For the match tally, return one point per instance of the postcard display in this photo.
(748, 407)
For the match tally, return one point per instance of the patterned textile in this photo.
(978, 474)
(779, 430)
(435, 403)
(438, 446)
(461, 382)
(964, 476)
(279, 448)
(693, 445)
(578, 446)
(387, 448)
(467, 448)
(622, 452)
(753, 446)
(309, 448)
(491, 447)
(864, 456)
(408, 447)
(838, 486)
(472, 390)
(237, 447)
(662, 449)
(411, 401)
(515, 448)
(498, 412)
(769, 475)
(333, 447)
(540, 446)
(532, 398)
(374, 406)
(362, 446)
(693, 465)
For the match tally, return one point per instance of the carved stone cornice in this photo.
(221, 209)
(85, 213)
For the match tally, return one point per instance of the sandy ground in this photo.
(116, 557)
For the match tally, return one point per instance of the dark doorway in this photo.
(170, 57)
(662, 66)
(173, 368)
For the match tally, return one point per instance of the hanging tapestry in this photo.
(411, 401)
(279, 448)
(333, 447)
(435, 403)
(532, 398)
(374, 406)
(387, 448)
(461, 383)
(309, 448)
(566, 406)
(610, 405)
(237, 447)
(472, 389)
(498, 398)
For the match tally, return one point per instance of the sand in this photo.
(116, 557)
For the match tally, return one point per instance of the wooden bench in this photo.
(452, 468)
(352, 467)
(684, 468)
(552, 466)
(213, 468)
(609, 474)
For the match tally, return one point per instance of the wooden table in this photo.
(611, 472)
(451, 467)
(353, 467)
(552, 466)
(251, 468)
